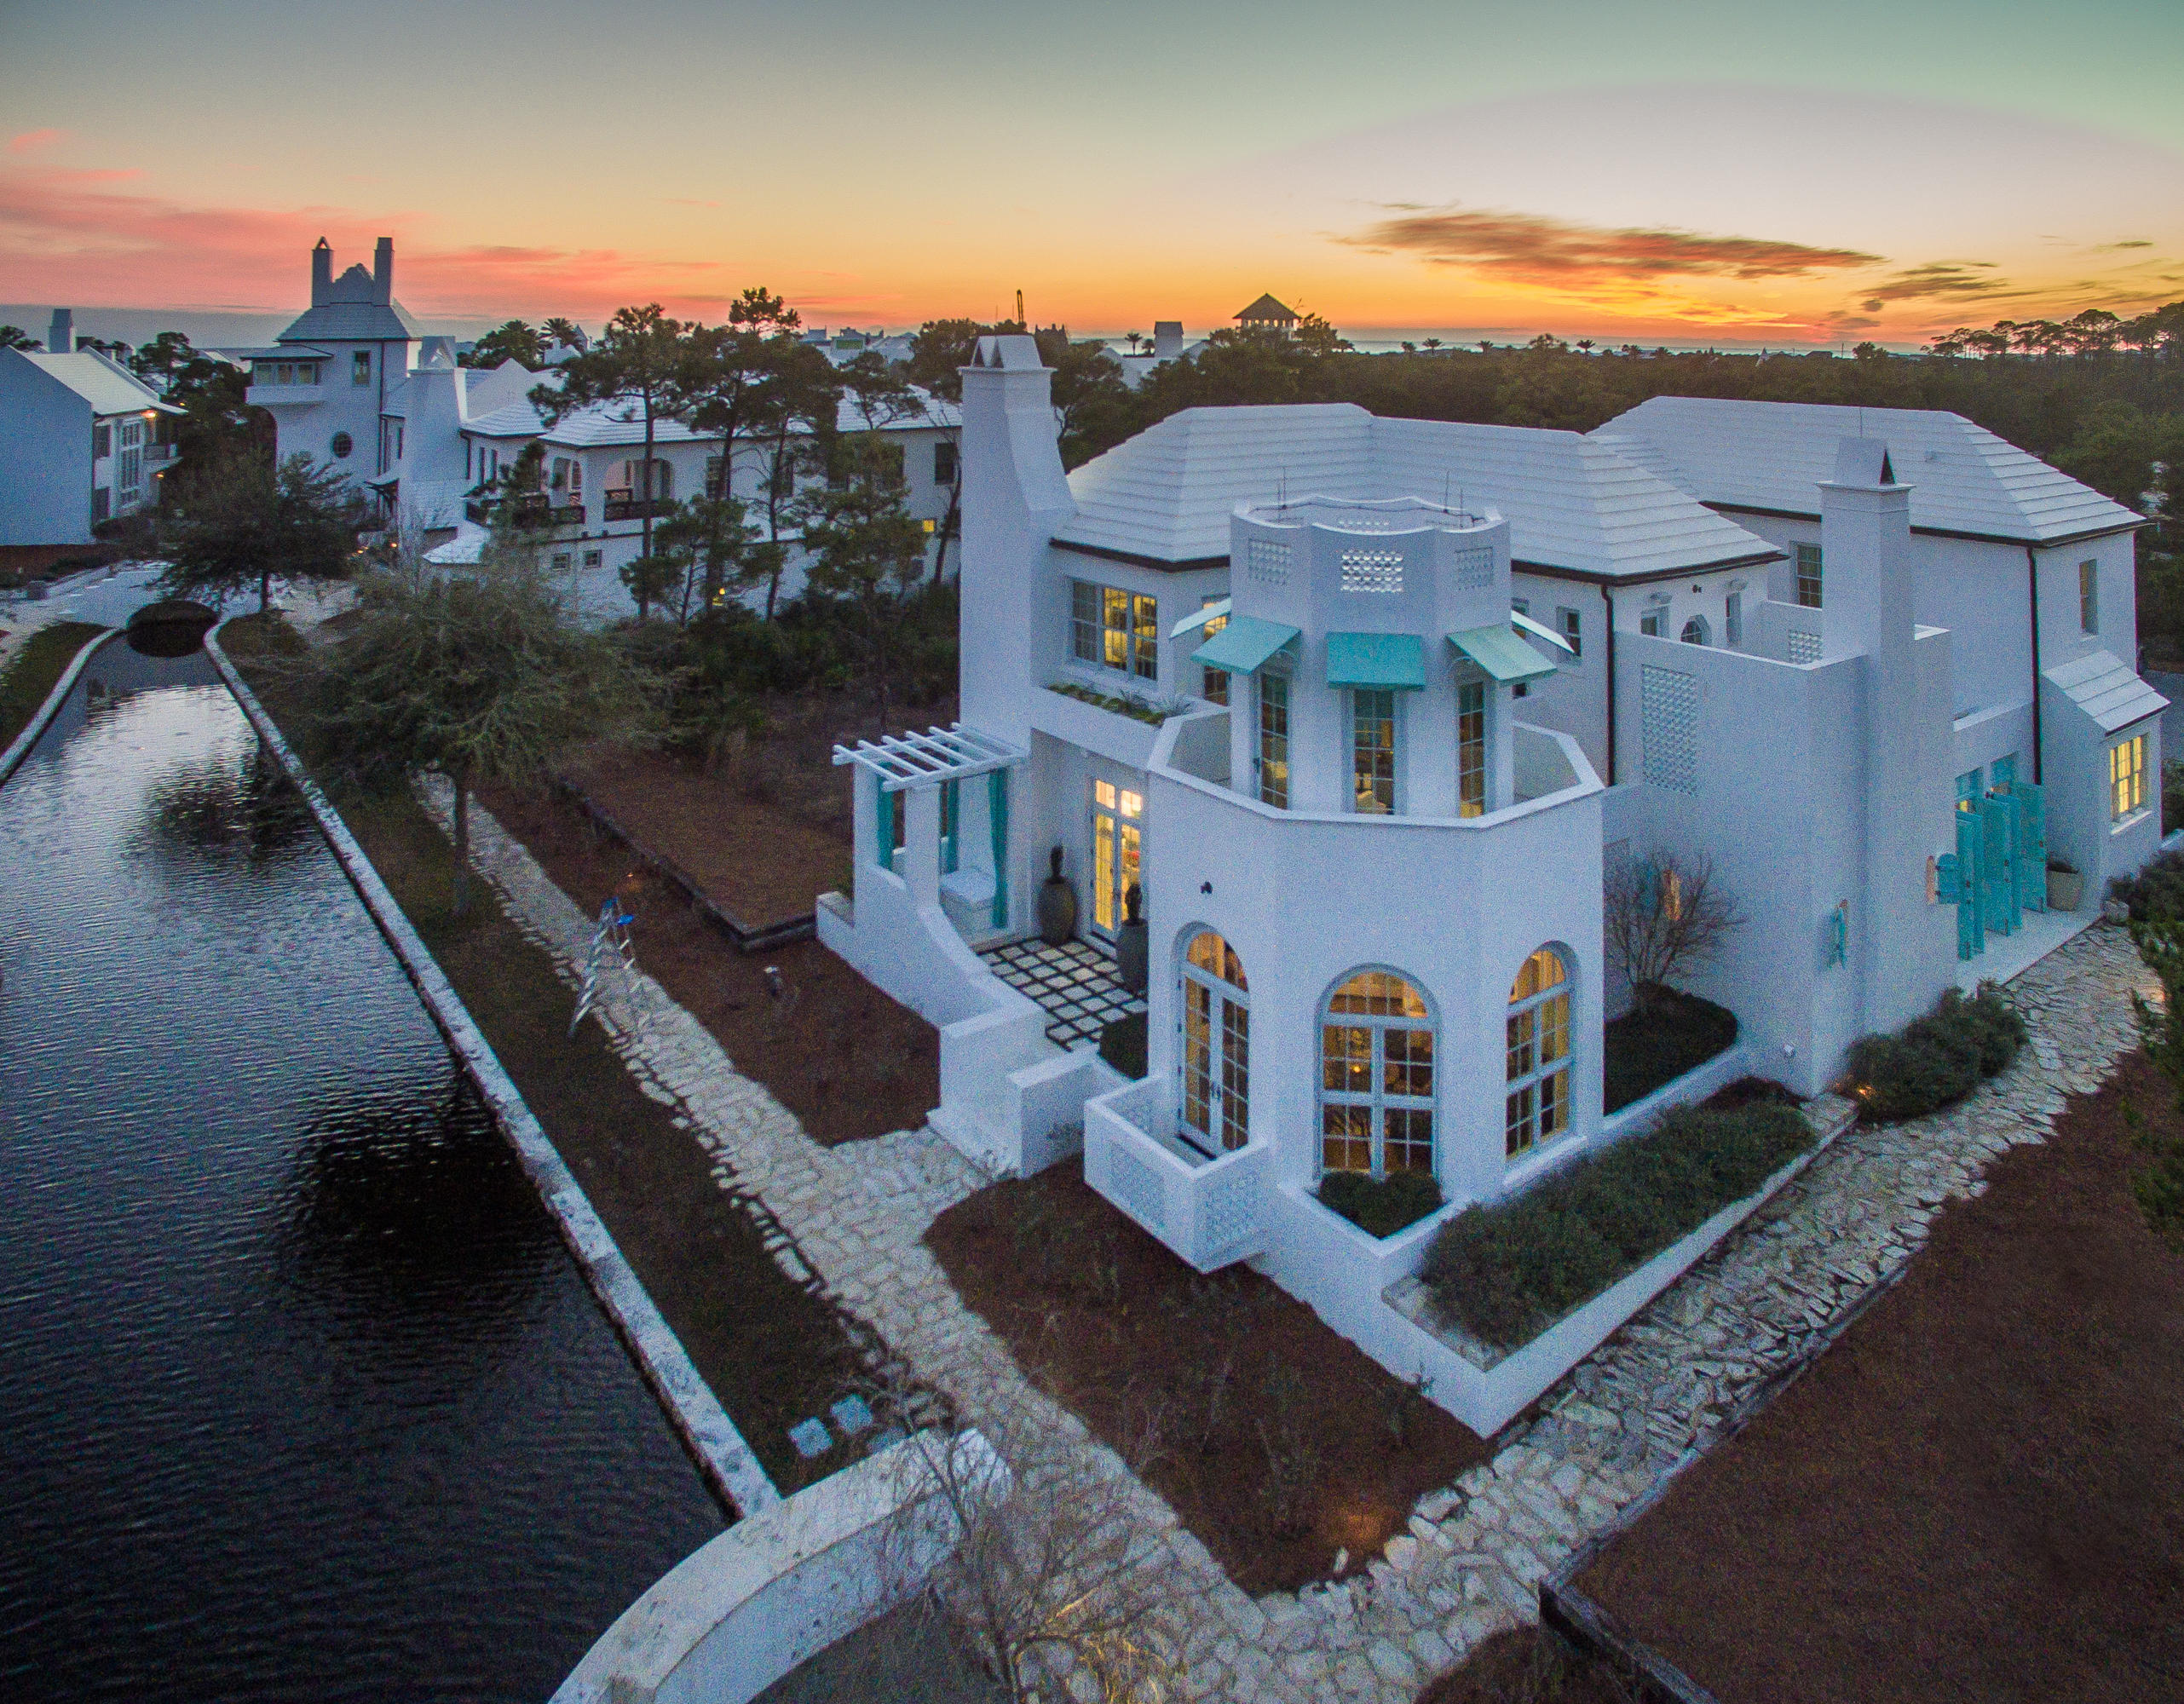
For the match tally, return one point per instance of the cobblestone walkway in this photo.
(1470, 1562)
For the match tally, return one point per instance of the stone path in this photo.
(1470, 1564)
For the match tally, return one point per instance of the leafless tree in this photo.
(1664, 914)
(1055, 1569)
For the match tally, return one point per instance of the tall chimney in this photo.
(382, 270)
(60, 336)
(322, 272)
(1167, 339)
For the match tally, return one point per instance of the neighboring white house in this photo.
(1405, 691)
(82, 439)
(356, 386)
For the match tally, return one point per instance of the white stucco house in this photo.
(82, 439)
(1366, 708)
(355, 384)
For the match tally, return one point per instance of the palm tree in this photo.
(1431, 344)
(1133, 338)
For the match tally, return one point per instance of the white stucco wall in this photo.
(45, 457)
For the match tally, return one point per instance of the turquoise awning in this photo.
(1386, 661)
(1243, 646)
(1502, 653)
(1198, 619)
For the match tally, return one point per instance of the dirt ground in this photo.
(1978, 1493)
(1280, 1444)
(1527, 1665)
(759, 860)
(845, 1059)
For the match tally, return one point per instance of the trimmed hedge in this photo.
(1506, 1273)
(1672, 1033)
(1932, 1060)
(1380, 1207)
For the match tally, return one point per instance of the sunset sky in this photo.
(1747, 173)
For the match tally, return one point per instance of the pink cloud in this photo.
(30, 142)
(68, 236)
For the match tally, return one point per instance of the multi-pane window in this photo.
(1216, 680)
(101, 441)
(1376, 1077)
(1470, 748)
(2089, 597)
(944, 461)
(2004, 775)
(1808, 576)
(1732, 620)
(1113, 629)
(1371, 745)
(359, 367)
(1216, 1045)
(1967, 789)
(1273, 756)
(1649, 622)
(1572, 630)
(1538, 1055)
(2127, 776)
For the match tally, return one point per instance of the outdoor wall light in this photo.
(1205, 887)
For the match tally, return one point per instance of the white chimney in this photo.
(61, 337)
(1167, 339)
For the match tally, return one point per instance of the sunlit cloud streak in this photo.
(1532, 248)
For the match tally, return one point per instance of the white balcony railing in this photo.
(1210, 1212)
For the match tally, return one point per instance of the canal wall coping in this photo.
(743, 1610)
(731, 1468)
(12, 758)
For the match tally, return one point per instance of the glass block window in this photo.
(1216, 1075)
(1808, 576)
(1377, 1041)
(1473, 569)
(2127, 777)
(1272, 760)
(1266, 563)
(1470, 748)
(1668, 714)
(1113, 629)
(1372, 720)
(1538, 1055)
(1374, 571)
(2089, 597)
(1803, 647)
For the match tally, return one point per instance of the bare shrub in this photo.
(1664, 914)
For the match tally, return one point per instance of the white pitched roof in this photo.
(620, 424)
(1771, 456)
(1166, 496)
(2101, 685)
(110, 389)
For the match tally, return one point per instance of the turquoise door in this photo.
(1971, 930)
(2030, 855)
(1997, 880)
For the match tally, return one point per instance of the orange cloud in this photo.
(1531, 249)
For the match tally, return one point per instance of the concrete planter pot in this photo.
(2066, 889)
(1130, 945)
(1057, 904)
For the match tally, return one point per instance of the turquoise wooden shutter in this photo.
(884, 826)
(2031, 845)
(951, 825)
(1997, 886)
(997, 816)
(1971, 933)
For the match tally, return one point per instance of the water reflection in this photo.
(301, 1398)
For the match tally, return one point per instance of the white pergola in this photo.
(939, 754)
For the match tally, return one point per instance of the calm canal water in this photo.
(300, 1395)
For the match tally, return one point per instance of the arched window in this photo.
(1376, 1077)
(1216, 1045)
(1696, 631)
(1539, 1053)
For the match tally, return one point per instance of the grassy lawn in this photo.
(40, 664)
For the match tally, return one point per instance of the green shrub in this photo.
(1935, 1060)
(1122, 1044)
(1505, 1273)
(2157, 891)
(1380, 1207)
(1657, 1041)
